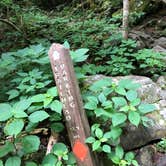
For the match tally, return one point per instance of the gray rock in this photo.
(161, 161)
(143, 39)
(145, 156)
(160, 42)
(148, 156)
(162, 51)
(149, 92)
(159, 49)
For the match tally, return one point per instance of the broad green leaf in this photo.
(65, 157)
(71, 160)
(13, 161)
(132, 108)
(133, 86)
(90, 106)
(35, 107)
(59, 149)
(90, 140)
(1, 163)
(114, 158)
(134, 118)
(56, 106)
(38, 98)
(59, 163)
(107, 104)
(146, 108)
(107, 91)
(107, 135)
(96, 145)
(79, 55)
(119, 151)
(12, 94)
(135, 102)
(124, 82)
(14, 127)
(99, 112)
(120, 90)
(5, 112)
(66, 44)
(37, 49)
(19, 114)
(102, 98)
(57, 127)
(135, 163)
(94, 127)
(115, 132)
(118, 118)
(124, 108)
(5, 149)
(22, 105)
(128, 84)
(47, 100)
(38, 116)
(99, 133)
(131, 95)
(82, 51)
(30, 144)
(106, 149)
(101, 84)
(92, 99)
(53, 92)
(119, 101)
(55, 117)
(103, 139)
(30, 163)
(49, 160)
(129, 156)
(30, 127)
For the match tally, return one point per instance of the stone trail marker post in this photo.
(69, 93)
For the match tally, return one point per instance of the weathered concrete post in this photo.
(76, 120)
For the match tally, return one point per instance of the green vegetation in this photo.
(29, 100)
(114, 106)
(161, 146)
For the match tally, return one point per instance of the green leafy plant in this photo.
(28, 113)
(59, 156)
(115, 105)
(161, 146)
(150, 61)
(31, 103)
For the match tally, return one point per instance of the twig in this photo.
(11, 24)
(15, 27)
(52, 140)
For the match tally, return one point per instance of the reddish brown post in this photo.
(76, 120)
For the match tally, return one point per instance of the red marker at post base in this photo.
(80, 150)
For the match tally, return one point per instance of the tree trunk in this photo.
(125, 19)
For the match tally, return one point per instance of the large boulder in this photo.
(160, 42)
(148, 156)
(150, 92)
